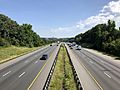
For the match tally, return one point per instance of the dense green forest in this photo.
(11, 33)
(103, 37)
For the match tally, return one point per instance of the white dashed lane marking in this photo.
(107, 75)
(7, 73)
(21, 74)
(36, 62)
(91, 62)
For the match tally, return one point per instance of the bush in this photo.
(4, 42)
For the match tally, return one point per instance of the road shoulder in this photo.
(17, 59)
(39, 81)
(88, 82)
(104, 56)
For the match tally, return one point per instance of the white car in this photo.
(78, 47)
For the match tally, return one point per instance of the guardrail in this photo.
(51, 73)
(78, 84)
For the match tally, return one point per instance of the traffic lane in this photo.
(16, 67)
(100, 73)
(19, 59)
(110, 68)
(82, 73)
(107, 62)
(102, 62)
(25, 60)
(41, 78)
(25, 81)
(28, 80)
(12, 77)
(22, 79)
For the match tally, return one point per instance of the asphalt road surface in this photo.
(106, 73)
(19, 76)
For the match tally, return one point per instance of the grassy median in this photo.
(7, 53)
(63, 75)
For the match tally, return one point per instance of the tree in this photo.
(104, 37)
(20, 35)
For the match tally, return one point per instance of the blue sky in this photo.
(59, 18)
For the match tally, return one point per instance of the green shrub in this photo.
(4, 42)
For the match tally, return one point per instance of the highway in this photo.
(105, 72)
(19, 76)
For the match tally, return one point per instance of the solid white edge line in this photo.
(21, 74)
(7, 73)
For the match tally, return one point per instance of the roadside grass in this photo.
(62, 73)
(7, 53)
(69, 80)
(58, 75)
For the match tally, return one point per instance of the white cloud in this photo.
(113, 6)
(109, 11)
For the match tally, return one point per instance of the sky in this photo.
(61, 18)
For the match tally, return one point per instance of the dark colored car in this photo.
(78, 49)
(50, 44)
(70, 46)
(44, 57)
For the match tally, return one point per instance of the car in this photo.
(50, 44)
(78, 48)
(44, 57)
(70, 46)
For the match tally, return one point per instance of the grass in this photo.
(6, 53)
(69, 80)
(59, 77)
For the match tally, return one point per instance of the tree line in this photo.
(11, 33)
(104, 37)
